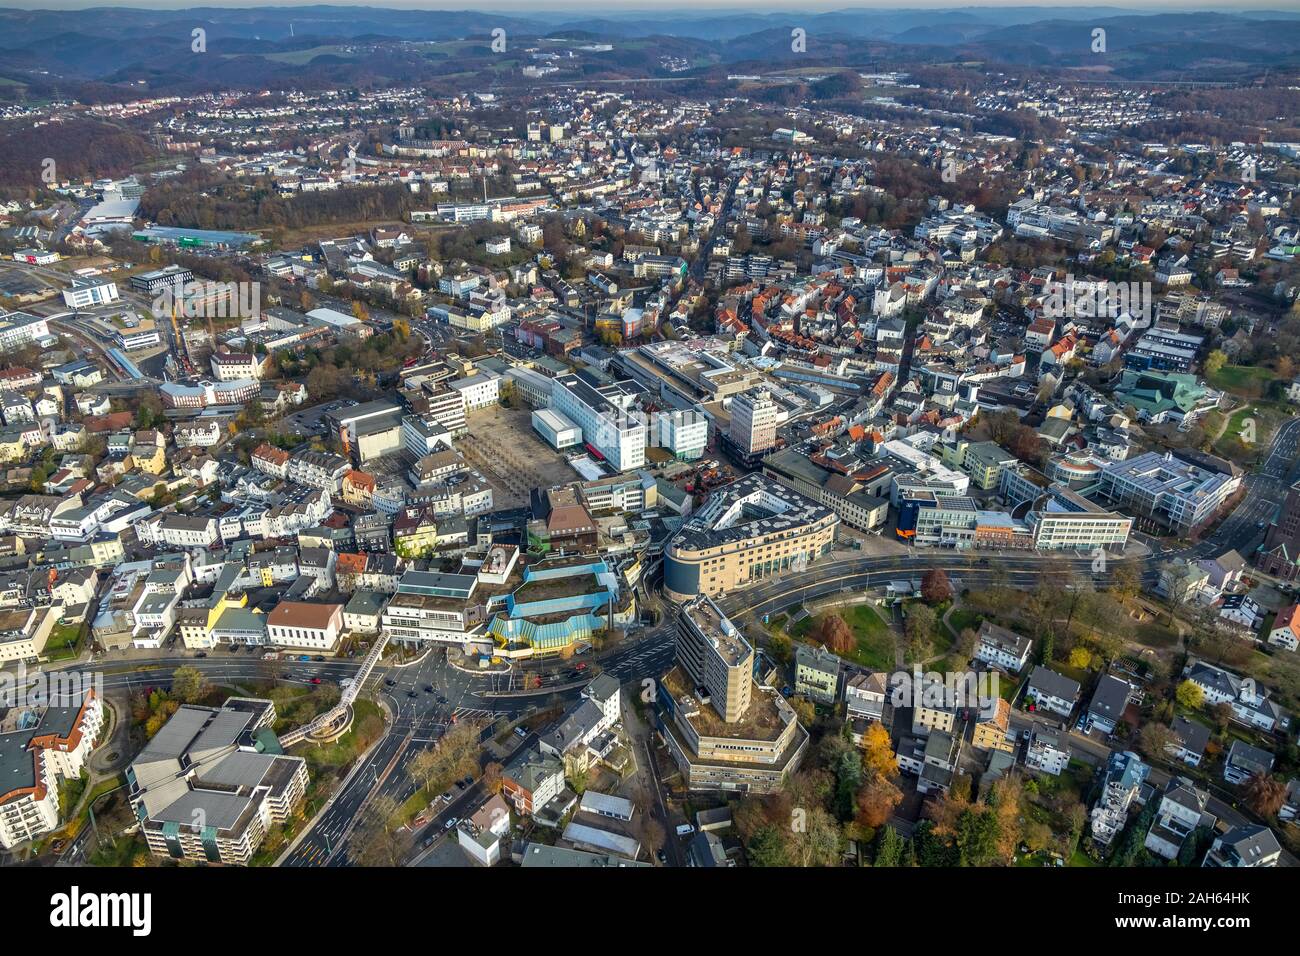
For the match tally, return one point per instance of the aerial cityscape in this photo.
(629, 438)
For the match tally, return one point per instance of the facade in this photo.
(716, 656)
(816, 673)
(747, 531)
(1180, 812)
(1003, 649)
(1170, 490)
(1248, 845)
(1052, 691)
(86, 293)
(211, 782)
(305, 625)
(763, 742)
(40, 747)
(754, 417)
(1121, 786)
(606, 418)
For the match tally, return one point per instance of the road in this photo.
(419, 716)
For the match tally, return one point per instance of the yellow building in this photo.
(750, 530)
(994, 732)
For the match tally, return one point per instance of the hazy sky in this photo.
(657, 8)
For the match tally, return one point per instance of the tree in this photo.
(1155, 739)
(1190, 695)
(878, 752)
(835, 634)
(453, 757)
(977, 836)
(188, 684)
(889, 847)
(492, 780)
(935, 586)
(379, 840)
(919, 628)
(1214, 363)
(876, 801)
(767, 848)
(1265, 794)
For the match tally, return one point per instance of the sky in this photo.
(606, 7)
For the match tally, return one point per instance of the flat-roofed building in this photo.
(724, 731)
(747, 531)
(716, 656)
(605, 414)
(210, 784)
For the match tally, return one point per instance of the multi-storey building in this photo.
(207, 788)
(1170, 489)
(724, 731)
(40, 746)
(610, 426)
(747, 531)
(754, 417)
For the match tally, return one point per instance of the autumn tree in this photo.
(878, 752)
(834, 633)
(1155, 739)
(189, 685)
(935, 586)
(1190, 695)
(1265, 794)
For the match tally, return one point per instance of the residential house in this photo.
(1180, 812)
(1248, 845)
(1051, 691)
(816, 673)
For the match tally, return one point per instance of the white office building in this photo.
(608, 422)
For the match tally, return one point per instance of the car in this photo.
(318, 658)
(468, 780)
(450, 823)
(285, 675)
(787, 691)
(389, 682)
(460, 784)
(1027, 734)
(581, 667)
(315, 680)
(428, 842)
(411, 693)
(661, 856)
(201, 654)
(428, 688)
(521, 732)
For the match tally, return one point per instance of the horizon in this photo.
(617, 8)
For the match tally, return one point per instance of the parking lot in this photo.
(506, 450)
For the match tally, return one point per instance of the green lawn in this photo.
(963, 618)
(1238, 378)
(1154, 634)
(62, 642)
(875, 641)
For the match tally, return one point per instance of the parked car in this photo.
(315, 680)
